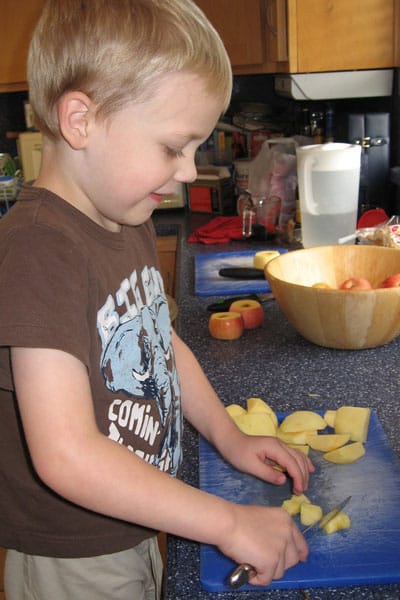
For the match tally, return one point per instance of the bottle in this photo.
(317, 126)
(304, 128)
(329, 125)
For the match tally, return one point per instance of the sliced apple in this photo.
(302, 420)
(251, 311)
(292, 506)
(295, 437)
(235, 409)
(328, 442)
(310, 513)
(304, 448)
(263, 257)
(353, 420)
(340, 521)
(226, 325)
(346, 454)
(257, 405)
(256, 424)
(329, 417)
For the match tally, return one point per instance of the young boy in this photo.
(94, 383)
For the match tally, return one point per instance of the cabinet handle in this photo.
(277, 25)
(268, 17)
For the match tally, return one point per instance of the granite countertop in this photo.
(287, 371)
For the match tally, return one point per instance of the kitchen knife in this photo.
(224, 304)
(329, 516)
(241, 273)
(241, 575)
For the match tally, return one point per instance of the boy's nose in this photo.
(187, 171)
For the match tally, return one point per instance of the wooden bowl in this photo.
(335, 318)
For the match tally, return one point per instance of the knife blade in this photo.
(241, 273)
(329, 516)
(241, 575)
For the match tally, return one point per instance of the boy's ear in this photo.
(75, 109)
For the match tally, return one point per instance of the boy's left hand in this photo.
(257, 456)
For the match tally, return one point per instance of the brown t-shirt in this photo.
(69, 284)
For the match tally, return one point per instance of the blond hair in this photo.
(116, 51)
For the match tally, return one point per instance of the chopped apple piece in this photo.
(340, 521)
(301, 420)
(328, 442)
(304, 448)
(257, 405)
(279, 468)
(256, 424)
(297, 437)
(235, 409)
(346, 454)
(310, 513)
(292, 506)
(329, 417)
(353, 420)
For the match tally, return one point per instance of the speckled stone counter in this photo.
(275, 363)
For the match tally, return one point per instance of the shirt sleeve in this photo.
(44, 286)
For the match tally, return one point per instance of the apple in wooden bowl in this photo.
(306, 284)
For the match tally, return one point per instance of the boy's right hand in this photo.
(267, 539)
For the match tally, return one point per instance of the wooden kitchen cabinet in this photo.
(261, 36)
(327, 35)
(166, 248)
(297, 36)
(18, 18)
(244, 26)
(2, 559)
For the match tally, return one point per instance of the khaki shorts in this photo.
(134, 574)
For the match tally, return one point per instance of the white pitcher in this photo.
(328, 181)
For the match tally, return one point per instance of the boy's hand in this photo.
(267, 539)
(257, 456)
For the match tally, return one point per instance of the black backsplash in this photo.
(246, 88)
(260, 88)
(12, 118)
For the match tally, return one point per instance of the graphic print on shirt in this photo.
(137, 358)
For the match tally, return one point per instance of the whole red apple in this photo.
(391, 281)
(355, 284)
(251, 310)
(226, 325)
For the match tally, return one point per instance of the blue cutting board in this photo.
(367, 553)
(209, 283)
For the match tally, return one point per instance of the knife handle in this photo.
(241, 575)
(242, 273)
(224, 304)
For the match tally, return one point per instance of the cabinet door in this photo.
(166, 248)
(327, 35)
(18, 18)
(241, 25)
(2, 560)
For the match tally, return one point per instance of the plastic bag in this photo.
(273, 174)
(384, 234)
